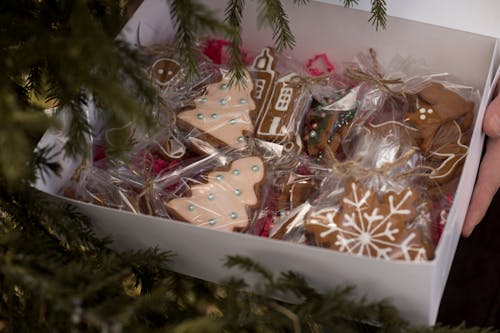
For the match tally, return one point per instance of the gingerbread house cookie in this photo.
(265, 77)
(277, 121)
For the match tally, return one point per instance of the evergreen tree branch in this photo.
(233, 16)
(378, 17)
(350, 3)
(190, 19)
(272, 13)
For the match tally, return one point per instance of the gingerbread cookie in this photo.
(364, 225)
(295, 192)
(164, 70)
(222, 114)
(447, 153)
(265, 77)
(434, 106)
(330, 123)
(222, 202)
(279, 118)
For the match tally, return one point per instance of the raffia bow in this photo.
(301, 81)
(353, 167)
(357, 74)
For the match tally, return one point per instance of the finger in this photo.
(491, 123)
(486, 187)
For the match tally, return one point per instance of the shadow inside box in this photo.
(472, 292)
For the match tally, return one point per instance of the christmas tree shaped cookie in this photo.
(222, 202)
(365, 225)
(223, 113)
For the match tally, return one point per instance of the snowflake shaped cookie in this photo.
(367, 226)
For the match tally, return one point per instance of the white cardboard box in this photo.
(415, 288)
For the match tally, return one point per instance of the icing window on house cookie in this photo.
(259, 88)
(285, 96)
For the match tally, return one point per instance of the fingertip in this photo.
(469, 225)
(491, 123)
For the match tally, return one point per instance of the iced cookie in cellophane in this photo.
(138, 181)
(222, 117)
(372, 204)
(221, 192)
(176, 85)
(428, 112)
(291, 182)
(328, 121)
(281, 97)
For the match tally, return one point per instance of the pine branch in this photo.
(272, 13)
(378, 17)
(190, 19)
(350, 3)
(233, 16)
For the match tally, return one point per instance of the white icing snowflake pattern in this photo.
(365, 226)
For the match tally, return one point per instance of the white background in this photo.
(478, 16)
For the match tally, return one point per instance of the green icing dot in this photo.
(243, 101)
(313, 134)
(213, 115)
(237, 192)
(223, 86)
(223, 101)
(191, 207)
(232, 121)
(219, 177)
(255, 168)
(199, 116)
(234, 215)
(211, 196)
(203, 100)
(212, 221)
(236, 172)
(241, 139)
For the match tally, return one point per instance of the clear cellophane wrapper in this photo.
(291, 183)
(372, 203)
(390, 194)
(222, 117)
(176, 86)
(282, 96)
(222, 191)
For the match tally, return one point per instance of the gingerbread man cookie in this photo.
(365, 225)
(164, 70)
(222, 202)
(222, 114)
(434, 106)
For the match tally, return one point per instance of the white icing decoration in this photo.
(422, 116)
(436, 173)
(279, 114)
(365, 230)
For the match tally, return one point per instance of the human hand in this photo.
(488, 180)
